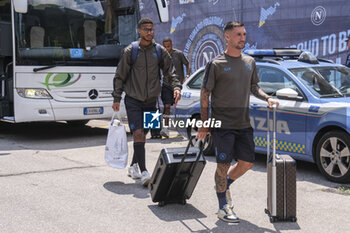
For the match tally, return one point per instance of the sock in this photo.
(229, 182)
(140, 154)
(222, 199)
(134, 159)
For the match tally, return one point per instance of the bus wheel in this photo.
(78, 123)
(333, 156)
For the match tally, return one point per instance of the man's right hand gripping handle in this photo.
(116, 106)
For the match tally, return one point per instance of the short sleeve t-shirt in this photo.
(230, 79)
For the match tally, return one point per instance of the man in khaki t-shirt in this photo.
(229, 79)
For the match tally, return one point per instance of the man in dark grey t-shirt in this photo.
(229, 79)
(179, 60)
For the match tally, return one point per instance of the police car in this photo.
(313, 119)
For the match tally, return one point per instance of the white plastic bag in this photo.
(116, 151)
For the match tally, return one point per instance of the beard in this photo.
(240, 45)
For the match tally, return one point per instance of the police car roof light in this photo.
(308, 57)
(278, 52)
(260, 52)
(288, 52)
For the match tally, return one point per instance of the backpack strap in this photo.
(159, 53)
(134, 52)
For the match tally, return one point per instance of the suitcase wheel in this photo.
(266, 211)
(183, 202)
(273, 219)
(161, 203)
(294, 219)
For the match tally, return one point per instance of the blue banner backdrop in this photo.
(196, 26)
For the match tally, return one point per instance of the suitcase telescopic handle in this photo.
(273, 155)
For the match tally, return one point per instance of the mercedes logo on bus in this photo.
(93, 94)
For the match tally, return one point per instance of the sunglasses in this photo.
(147, 30)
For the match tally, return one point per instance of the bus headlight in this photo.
(33, 93)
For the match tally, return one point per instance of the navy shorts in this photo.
(167, 95)
(134, 111)
(234, 144)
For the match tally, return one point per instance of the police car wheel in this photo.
(333, 156)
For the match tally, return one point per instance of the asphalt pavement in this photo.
(53, 178)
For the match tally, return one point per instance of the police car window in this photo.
(272, 80)
(338, 77)
(321, 81)
(196, 82)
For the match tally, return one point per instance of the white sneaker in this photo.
(145, 178)
(133, 172)
(165, 132)
(226, 214)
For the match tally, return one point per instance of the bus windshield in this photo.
(75, 32)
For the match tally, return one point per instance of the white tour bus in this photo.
(58, 58)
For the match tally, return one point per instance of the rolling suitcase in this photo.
(281, 180)
(176, 174)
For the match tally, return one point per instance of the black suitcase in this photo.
(281, 181)
(176, 174)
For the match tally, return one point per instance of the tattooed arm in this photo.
(205, 93)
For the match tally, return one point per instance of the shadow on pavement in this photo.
(51, 136)
(306, 171)
(244, 226)
(3, 154)
(166, 141)
(120, 188)
(176, 212)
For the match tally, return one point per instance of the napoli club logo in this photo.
(205, 42)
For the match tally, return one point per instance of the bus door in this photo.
(6, 77)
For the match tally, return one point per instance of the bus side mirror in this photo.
(163, 12)
(20, 6)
